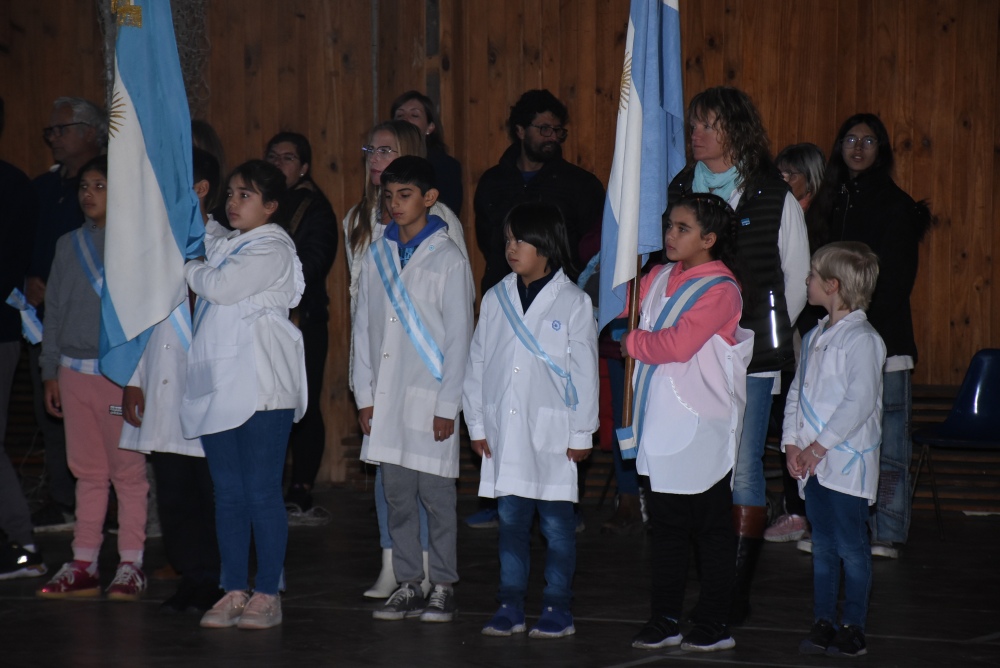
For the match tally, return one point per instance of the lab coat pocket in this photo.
(418, 409)
(550, 433)
(216, 369)
(425, 286)
(670, 422)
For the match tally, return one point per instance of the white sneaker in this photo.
(885, 550)
(262, 611)
(227, 611)
(786, 528)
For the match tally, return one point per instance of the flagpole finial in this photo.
(126, 14)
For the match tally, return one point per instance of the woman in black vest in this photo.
(732, 159)
(859, 201)
(313, 227)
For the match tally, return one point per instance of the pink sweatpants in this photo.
(92, 452)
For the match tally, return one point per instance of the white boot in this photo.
(386, 582)
(425, 584)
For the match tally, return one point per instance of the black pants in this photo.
(705, 518)
(186, 503)
(308, 438)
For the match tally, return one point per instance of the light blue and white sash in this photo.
(421, 338)
(524, 335)
(89, 258)
(810, 415)
(89, 367)
(31, 326)
(180, 320)
(676, 306)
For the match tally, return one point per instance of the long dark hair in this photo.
(542, 225)
(264, 178)
(714, 215)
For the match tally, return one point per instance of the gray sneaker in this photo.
(440, 605)
(407, 601)
(227, 611)
(262, 611)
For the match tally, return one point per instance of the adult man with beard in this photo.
(533, 169)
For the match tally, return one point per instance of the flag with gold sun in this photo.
(153, 221)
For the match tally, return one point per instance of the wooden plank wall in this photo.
(929, 68)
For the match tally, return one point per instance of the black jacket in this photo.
(18, 212)
(874, 210)
(578, 194)
(315, 235)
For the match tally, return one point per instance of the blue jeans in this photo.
(246, 464)
(625, 474)
(558, 524)
(891, 520)
(749, 487)
(382, 515)
(839, 535)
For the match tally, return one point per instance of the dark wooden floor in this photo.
(938, 605)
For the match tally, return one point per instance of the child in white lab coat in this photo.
(831, 436)
(531, 396)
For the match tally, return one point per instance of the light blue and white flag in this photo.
(153, 221)
(649, 148)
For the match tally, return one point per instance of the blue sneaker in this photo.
(487, 518)
(506, 621)
(554, 623)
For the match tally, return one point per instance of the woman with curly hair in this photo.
(858, 201)
(732, 159)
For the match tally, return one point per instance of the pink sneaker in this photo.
(129, 583)
(71, 582)
(786, 529)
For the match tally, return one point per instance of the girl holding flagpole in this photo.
(689, 401)
(90, 406)
(246, 385)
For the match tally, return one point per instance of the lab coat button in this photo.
(385, 355)
(165, 381)
(513, 411)
(392, 319)
(517, 369)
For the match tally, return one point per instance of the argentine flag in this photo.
(153, 221)
(649, 148)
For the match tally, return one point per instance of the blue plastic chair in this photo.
(972, 424)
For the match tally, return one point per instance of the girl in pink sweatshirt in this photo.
(690, 392)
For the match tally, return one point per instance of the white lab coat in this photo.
(388, 372)
(161, 375)
(515, 401)
(694, 409)
(843, 384)
(246, 355)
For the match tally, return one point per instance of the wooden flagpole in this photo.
(633, 322)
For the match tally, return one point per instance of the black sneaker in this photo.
(849, 642)
(407, 601)
(819, 638)
(440, 605)
(17, 562)
(708, 637)
(658, 632)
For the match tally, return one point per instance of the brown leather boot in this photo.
(749, 523)
(627, 518)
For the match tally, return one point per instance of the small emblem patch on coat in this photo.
(556, 325)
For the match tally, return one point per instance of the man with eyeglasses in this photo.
(77, 132)
(533, 169)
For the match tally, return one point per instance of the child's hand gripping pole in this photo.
(627, 438)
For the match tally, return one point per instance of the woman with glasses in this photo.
(858, 201)
(365, 223)
(313, 228)
(416, 108)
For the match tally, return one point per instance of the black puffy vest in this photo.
(765, 311)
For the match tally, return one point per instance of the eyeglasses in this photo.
(380, 151)
(867, 142)
(54, 131)
(287, 158)
(788, 174)
(548, 130)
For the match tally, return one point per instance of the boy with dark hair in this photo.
(411, 343)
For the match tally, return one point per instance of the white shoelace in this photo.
(401, 595)
(438, 598)
(126, 575)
